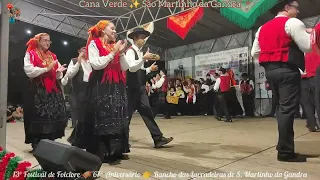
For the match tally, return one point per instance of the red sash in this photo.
(112, 72)
(48, 79)
(191, 94)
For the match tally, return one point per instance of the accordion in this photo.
(172, 99)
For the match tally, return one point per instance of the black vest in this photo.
(136, 79)
(296, 56)
(77, 83)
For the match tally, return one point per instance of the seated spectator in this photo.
(18, 114)
(10, 110)
(182, 100)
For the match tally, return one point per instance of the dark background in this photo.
(17, 48)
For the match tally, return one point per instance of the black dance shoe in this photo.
(163, 141)
(292, 158)
(218, 118)
(314, 129)
(123, 157)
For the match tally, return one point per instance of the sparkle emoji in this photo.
(146, 174)
(135, 3)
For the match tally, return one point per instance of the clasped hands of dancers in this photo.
(103, 98)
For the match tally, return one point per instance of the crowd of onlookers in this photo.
(197, 97)
(186, 96)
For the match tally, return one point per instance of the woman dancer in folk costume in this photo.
(107, 123)
(44, 106)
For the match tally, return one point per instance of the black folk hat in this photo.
(138, 31)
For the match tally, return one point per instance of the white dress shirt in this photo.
(217, 84)
(130, 56)
(158, 84)
(33, 71)
(205, 87)
(302, 72)
(100, 62)
(73, 70)
(295, 28)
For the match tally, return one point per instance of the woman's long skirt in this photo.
(106, 125)
(44, 114)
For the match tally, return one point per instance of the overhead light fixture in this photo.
(28, 31)
(65, 43)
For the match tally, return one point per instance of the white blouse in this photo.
(33, 71)
(100, 62)
(73, 70)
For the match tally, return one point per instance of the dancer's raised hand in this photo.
(116, 47)
(147, 55)
(49, 68)
(123, 46)
(154, 67)
(62, 68)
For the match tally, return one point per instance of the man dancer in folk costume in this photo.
(279, 46)
(137, 96)
(78, 72)
(223, 86)
(308, 86)
(162, 85)
(247, 91)
(44, 107)
(316, 56)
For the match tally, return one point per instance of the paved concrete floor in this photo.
(243, 148)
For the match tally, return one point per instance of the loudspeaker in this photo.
(54, 156)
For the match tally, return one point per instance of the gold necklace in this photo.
(45, 58)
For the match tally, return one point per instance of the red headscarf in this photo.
(33, 42)
(96, 31)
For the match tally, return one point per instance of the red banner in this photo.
(183, 22)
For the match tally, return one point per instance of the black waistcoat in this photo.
(136, 79)
(77, 83)
(296, 56)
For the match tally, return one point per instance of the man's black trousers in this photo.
(286, 85)
(308, 100)
(317, 93)
(138, 100)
